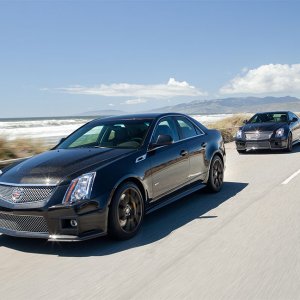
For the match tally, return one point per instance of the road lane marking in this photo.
(291, 177)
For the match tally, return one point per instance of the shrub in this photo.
(229, 126)
(10, 149)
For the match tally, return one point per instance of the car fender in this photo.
(216, 148)
(133, 178)
(219, 153)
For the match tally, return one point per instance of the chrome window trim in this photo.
(203, 133)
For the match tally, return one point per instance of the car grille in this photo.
(23, 223)
(264, 135)
(258, 145)
(25, 194)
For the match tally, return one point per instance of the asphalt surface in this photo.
(243, 243)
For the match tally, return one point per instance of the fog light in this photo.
(73, 223)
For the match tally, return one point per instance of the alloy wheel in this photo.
(217, 173)
(290, 143)
(130, 210)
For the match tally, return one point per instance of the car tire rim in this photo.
(130, 210)
(217, 174)
(290, 142)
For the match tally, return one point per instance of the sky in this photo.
(61, 58)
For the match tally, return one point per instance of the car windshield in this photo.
(128, 134)
(269, 118)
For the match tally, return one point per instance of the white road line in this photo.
(291, 177)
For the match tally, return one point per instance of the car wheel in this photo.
(241, 151)
(126, 212)
(290, 143)
(216, 175)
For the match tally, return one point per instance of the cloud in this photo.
(135, 101)
(272, 78)
(172, 88)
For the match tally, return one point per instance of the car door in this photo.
(196, 142)
(170, 163)
(295, 126)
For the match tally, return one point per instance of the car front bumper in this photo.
(57, 223)
(272, 144)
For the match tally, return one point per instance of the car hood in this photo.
(60, 166)
(263, 126)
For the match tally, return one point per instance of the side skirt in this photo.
(173, 197)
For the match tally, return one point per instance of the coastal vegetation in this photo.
(18, 148)
(229, 126)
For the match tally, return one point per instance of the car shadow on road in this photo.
(157, 226)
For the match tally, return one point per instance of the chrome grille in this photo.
(258, 145)
(257, 135)
(27, 193)
(23, 223)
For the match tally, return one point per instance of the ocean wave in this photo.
(206, 119)
(39, 123)
(51, 130)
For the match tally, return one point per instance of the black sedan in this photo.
(269, 130)
(106, 175)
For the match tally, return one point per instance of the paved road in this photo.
(243, 243)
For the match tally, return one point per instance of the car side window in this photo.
(292, 116)
(187, 128)
(165, 126)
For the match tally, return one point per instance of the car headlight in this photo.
(239, 134)
(279, 132)
(80, 188)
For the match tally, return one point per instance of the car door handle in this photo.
(183, 153)
(204, 144)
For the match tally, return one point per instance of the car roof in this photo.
(274, 112)
(138, 116)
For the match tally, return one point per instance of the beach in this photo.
(50, 130)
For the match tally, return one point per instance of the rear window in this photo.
(186, 127)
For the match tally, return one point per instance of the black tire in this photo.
(290, 143)
(216, 175)
(126, 212)
(241, 151)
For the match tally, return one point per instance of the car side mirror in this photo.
(162, 140)
(61, 140)
(292, 120)
(245, 121)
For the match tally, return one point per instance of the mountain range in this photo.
(235, 105)
(221, 106)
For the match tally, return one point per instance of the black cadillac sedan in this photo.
(106, 175)
(269, 130)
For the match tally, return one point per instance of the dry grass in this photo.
(229, 126)
(19, 148)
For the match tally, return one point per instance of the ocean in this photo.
(51, 130)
